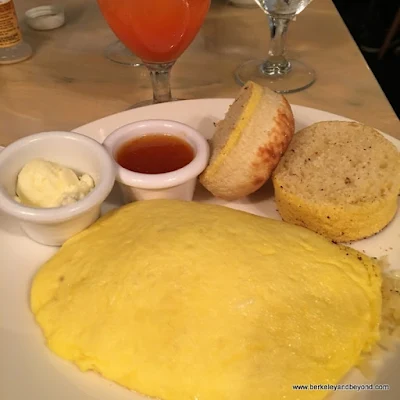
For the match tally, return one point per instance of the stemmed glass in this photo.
(157, 31)
(118, 53)
(277, 72)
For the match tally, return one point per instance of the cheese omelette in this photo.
(181, 300)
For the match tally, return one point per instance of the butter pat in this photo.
(45, 184)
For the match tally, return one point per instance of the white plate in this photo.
(28, 371)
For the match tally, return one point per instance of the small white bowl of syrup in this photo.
(157, 159)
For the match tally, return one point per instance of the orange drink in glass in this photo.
(158, 31)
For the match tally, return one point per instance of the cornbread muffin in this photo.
(181, 300)
(248, 143)
(340, 179)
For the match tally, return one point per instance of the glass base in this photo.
(299, 77)
(118, 53)
(15, 54)
(145, 103)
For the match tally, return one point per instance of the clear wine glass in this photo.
(277, 72)
(158, 32)
(120, 54)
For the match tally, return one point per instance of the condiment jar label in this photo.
(10, 35)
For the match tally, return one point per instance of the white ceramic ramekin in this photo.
(52, 226)
(179, 184)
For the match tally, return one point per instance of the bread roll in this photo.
(340, 179)
(248, 143)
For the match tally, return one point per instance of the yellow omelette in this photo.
(187, 301)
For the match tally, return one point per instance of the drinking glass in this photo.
(277, 72)
(158, 32)
(118, 53)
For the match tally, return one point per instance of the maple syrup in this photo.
(155, 154)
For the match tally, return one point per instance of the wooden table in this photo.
(68, 82)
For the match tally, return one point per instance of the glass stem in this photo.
(276, 63)
(160, 79)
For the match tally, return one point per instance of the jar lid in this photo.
(44, 18)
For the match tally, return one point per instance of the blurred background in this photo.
(375, 27)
